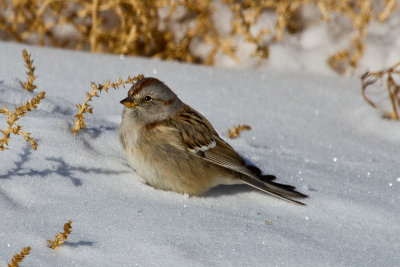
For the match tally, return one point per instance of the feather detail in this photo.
(276, 192)
(203, 147)
(200, 139)
(196, 131)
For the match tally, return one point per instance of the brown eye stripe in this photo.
(143, 83)
(168, 102)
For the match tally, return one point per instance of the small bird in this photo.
(174, 148)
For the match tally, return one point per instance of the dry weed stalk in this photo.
(169, 29)
(13, 117)
(235, 132)
(79, 122)
(28, 85)
(360, 13)
(61, 237)
(389, 8)
(19, 257)
(393, 89)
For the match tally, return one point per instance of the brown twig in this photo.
(93, 31)
(61, 237)
(28, 85)
(13, 117)
(389, 7)
(235, 132)
(79, 122)
(393, 89)
(19, 257)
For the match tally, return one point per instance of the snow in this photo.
(310, 129)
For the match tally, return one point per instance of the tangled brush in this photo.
(390, 76)
(171, 29)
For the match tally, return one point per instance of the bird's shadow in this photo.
(224, 190)
(80, 244)
(61, 167)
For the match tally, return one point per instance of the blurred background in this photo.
(334, 35)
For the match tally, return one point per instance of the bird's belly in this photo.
(169, 170)
(144, 166)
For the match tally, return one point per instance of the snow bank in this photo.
(310, 130)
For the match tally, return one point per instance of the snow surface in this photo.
(311, 130)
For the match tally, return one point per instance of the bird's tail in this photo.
(265, 183)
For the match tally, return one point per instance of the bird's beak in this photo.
(128, 102)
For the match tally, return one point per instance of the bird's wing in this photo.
(200, 139)
(223, 155)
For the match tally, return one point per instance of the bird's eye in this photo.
(147, 98)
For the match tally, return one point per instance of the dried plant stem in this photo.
(19, 257)
(61, 237)
(93, 32)
(85, 107)
(235, 132)
(392, 87)
(13, 117)
(390, 6)
(394, 96)
(28, 85)
(360, 14)
(139, 28)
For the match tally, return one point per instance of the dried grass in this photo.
(13, 117)
(169, 29)
(388, 77)
(61, 237)
(20, 111)
(235, 132)
(360, 14)
(28, 85)
(19, 257)
(79, 122)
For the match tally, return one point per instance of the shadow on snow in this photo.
(61, 168)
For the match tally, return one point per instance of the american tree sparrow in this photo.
(173, 147)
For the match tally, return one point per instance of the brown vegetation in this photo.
(61, 237)
(235, 132)
(391, 77)
(169, 29)
(79, 122)
(19, 257)
(13, 117)
(28, 85)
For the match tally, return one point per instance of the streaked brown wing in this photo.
(224, 155)
(200, 139)
(196, 131)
